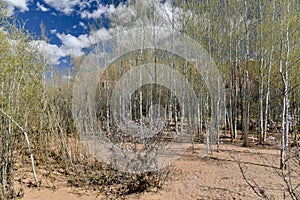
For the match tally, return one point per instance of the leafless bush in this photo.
(290, 176)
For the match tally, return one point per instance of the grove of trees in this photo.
(254, 43)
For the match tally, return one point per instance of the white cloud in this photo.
(13, 4)
(71, 45)
(123, 14)
(51, 51)
(83, 4)
(166, 15)
(74, 45)
(98, 12)
(65, 6)
(71, 42)
(42, 7)
(100, 34)
(82, 25)
(53, 31)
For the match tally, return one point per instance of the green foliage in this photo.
(21, 95)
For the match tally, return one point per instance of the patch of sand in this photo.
(216, 176)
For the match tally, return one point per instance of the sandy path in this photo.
(214, 177)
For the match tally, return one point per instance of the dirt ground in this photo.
(217, 176)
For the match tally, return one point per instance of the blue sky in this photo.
(67, 22)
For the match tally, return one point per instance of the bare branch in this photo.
(28, 144)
